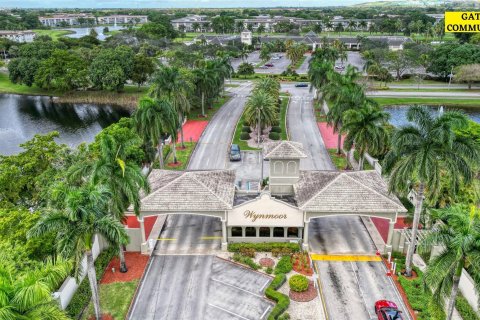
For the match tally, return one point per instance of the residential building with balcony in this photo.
(57, 20)
(187, 23)
(18, 36)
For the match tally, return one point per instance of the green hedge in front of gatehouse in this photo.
(263, 246)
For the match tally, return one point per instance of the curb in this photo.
(286, 117)
(320, 289)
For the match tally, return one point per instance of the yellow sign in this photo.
(462, 21)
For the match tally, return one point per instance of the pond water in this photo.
(398, 114)
(81, 32)
(21, 117)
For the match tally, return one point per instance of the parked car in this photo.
(339, 68)
(263, 67)
(235, 154)
(276, 58)
(301, 85)
(269, 65)
(387, 310)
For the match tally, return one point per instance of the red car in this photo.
(269, 65)
(387, 310)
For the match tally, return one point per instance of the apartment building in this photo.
(187, 23)
(122, 19)
(18, 36)
(57, 20)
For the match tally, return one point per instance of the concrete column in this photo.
(401, 243)
(300, 233)
(257, 232)
(305, 235)
(243, 232)
(142, 229)
(285, 232)
(388, 247)
(271, 232)
(224, 235)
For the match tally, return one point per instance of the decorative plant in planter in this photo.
(298, 283)
(301, 263)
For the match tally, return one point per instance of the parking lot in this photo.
(193, 287)
(279, 65)
(249, 170)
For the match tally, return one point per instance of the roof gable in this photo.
(284, 150)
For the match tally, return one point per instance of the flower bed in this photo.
(267, 262)
(304, 296)
(301, 263)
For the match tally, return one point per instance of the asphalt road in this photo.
(350, 288)
(212, 149)
(302, 127)
(304, 67)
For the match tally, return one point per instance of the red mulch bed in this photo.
(174, 165)
(136, 263)
(105, 316)
(267, 262)
(192, 129)
(305, 296)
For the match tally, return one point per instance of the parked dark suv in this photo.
(235, 154)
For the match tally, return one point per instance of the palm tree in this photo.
(123, 178)
(317, 74)
(260, 109)
(344, 94)
(154, 119)
(425, 150)
(365, 129)
(178, 86)
(29, 295)
(459, 238)
(205, 82)
(76, 224)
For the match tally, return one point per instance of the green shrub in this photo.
(274, 136)
(276, 252)
(269, 270)
(276, 129)
(246, 129)
(81, 298)
(465, 309)
(282, 300)
(245, 136)
(263, 246)
(298, 283)
(284, 265)
(246, 260)
(284, 316)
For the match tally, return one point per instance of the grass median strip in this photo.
(344, 258)
(443, 101)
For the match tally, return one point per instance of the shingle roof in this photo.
(330, 191)
(284, 150)
(190, 191)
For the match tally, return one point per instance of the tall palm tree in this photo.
(317, 74)
(205, 82)
(29, 295)
(123, 178)
(425, 150)
(260, 109)
(177, 85)
(76, 224)
(365, 130)
(459, 238)
(154, 119)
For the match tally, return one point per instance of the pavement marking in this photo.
(211, 237)
(266, 283)
(263, 314)
(344, 258)
(320, 289)
(167, 239)
(361, 291)
(230, 312)
(233, 286)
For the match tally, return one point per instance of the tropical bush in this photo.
(298, 283)
(286, 251)
(246, 129)
(244, 136)
(246, 260)
(269, 270)
(274, 136)
(263, 246)
(465, 309)
(248, 252)
(276, 129)
(284, 265)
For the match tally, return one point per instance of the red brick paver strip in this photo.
(136, 263)
(193, 129)
(329, 137)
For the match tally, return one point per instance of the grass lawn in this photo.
(115, 299)
(8, 87)
(53, 33)
(195, 113)
(433, 90)
(411, 81)
(183, 156)
(236, 136)
(300, 62)
(340, 161)
(474, 103)
(319, 114)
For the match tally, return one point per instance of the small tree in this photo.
(245, 69)
(468, 73)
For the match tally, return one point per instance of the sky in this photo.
(173, 3)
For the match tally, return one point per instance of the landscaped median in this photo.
(443, 101)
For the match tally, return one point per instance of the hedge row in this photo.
(282, 301)
(284, 265)
(263, 246)
(81, 298)
(246, 260)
